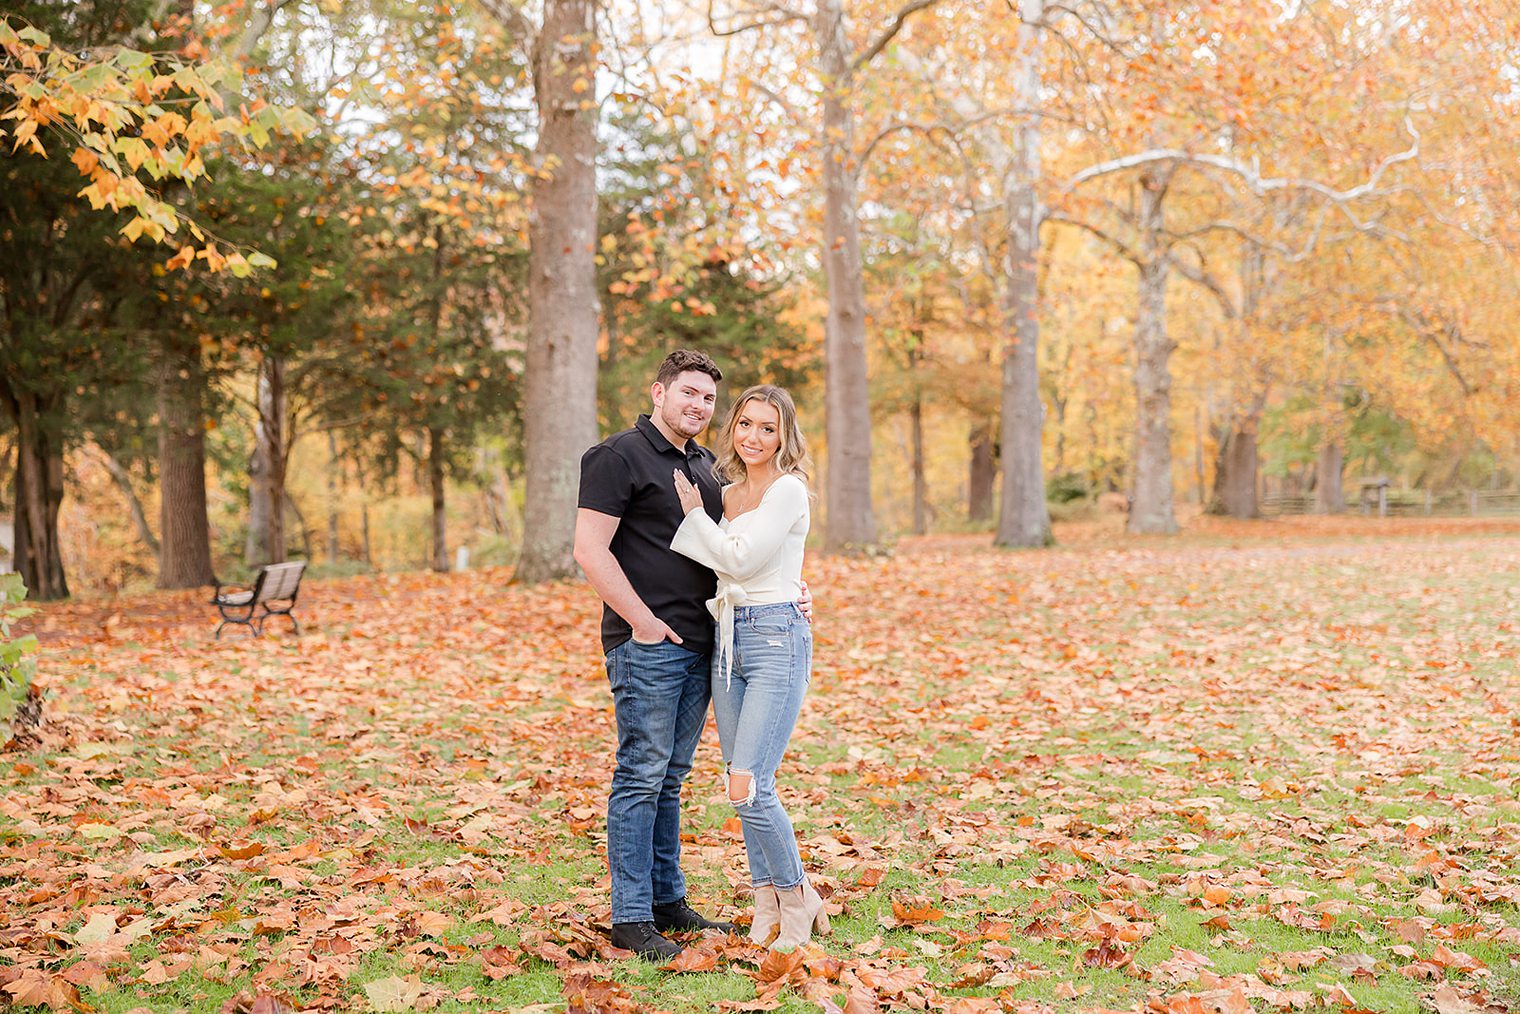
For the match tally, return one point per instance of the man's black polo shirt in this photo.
(628, 476)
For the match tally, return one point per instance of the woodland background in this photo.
(361, 279)
(1014, 259)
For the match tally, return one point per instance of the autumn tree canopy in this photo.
(287, 261)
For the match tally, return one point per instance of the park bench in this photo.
(274, 591)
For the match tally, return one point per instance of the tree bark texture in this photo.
(334, 474)
(364, 547)
(39, 495)
(1235, 471)
(559, 398)
(1023, 519)
(266, 470)
(920, 481)
(1329, 493)
(440, 561)
(184, 533)
(850, 521)
(982, 477)
(1152, 511)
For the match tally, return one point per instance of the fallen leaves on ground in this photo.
(1218, 774)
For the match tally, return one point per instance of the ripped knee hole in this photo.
(741, 788)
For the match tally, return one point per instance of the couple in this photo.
(670, 549)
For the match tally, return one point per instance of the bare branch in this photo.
(1255, 239)
(1432, 331)
(792, 112)
(783, 15)
(1200, 275)
(927, 129)
(1249, 173)
(1120, 247)
(123, 480)
(904, 12)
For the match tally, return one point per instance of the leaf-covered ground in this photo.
(1263, 767)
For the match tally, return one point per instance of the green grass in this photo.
(1022, 739)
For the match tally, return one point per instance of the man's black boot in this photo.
(645, 940)
(679, 917)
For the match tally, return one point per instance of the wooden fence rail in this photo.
(1389, 503)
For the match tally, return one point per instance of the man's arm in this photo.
(593, 537)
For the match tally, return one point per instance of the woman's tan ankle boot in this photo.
(767, 915)
(802, 914)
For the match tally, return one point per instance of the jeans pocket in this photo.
(616, 668)
(773, 624)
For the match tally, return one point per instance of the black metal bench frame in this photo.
(238, 604)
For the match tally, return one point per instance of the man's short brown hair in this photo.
(687, 360)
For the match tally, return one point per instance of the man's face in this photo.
(686, 404)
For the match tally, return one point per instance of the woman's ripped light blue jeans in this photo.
(756, 710)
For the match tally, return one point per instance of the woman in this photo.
(765, 648)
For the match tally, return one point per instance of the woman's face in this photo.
(757, 434)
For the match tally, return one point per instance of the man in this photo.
(658, 638)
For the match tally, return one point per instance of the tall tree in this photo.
(559, 397)
(1023, 519)
(838, 63)
(116, 111)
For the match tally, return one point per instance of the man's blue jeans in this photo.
(659, 696)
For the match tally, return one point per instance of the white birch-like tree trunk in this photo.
(1023, 519)
(1152, 511)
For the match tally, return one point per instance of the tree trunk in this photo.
(185, 534)
(334, 473)
(983, 474)
(1023, 519)
(1152, 511)
(493, 488)
(123, 480)
(39, 495)
(559, 399)
(266, 470)
(850, 522)
(440, 561)
(369, 559)
(1235, 474)
(1329, 494)
(920, 483)
(1198, 451)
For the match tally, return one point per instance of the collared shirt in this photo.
(628, 476)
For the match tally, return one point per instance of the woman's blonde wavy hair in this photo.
(791, 456)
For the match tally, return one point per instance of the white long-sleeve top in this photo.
(757, 555)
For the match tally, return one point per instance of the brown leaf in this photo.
(499, 963)
(1447, 1000)
(780, 965)
(242, 850)
(915, 909)
(861, 1000)
(692, 959)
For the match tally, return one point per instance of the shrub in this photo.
(17, 667)
(1064, 487)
